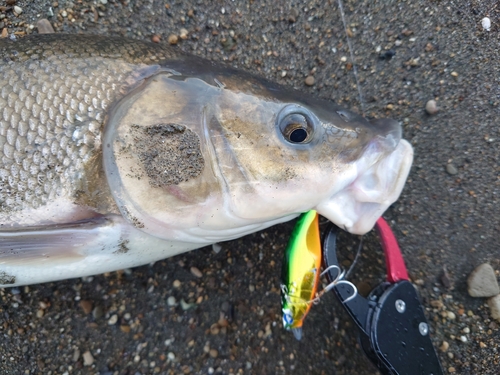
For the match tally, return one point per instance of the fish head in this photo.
(290, 155)
(210, 157)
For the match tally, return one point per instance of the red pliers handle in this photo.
(396, 269)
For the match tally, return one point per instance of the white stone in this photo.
(494, 304)
(482, 282)
(88, 359)
(486, 23)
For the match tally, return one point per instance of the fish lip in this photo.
(378, 183)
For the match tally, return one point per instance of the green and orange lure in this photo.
(300, 272)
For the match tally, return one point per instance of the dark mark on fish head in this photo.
(169, 153)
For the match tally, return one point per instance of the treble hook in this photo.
(338, 280)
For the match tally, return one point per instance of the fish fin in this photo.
(35, 244)
(37, 254)
(297, 332)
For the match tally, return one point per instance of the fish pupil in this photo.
(298, 135)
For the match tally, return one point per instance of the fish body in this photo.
(116, 153)
(300, 272)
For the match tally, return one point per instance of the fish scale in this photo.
(52, 117)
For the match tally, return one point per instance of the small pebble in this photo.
(292, 16)
(176, 284)
(223, 322)
(494, 305)
(155, 39)
(186, 305)
(18, 9)
(438, 304)
(216, 248)
(463, 338)
(86, 306)
(196, 272)
(451, 315)
(309, 81)
(482, 282)
(171, 301)
(486, 23)
(482, 345)
(171, 356)
(451, 369)
(39, 313)
(98, 312)
(173, 39)
(88, 359)
(213, 353)
(451, 169)
(444, 346)
(183, 33)
(466, 330)
(76, 355)
(125, 328)
(431, 107)
(214, 329)
(454, 74)
(44, 26)
(113, 320)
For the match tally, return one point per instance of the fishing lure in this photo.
(300, 272)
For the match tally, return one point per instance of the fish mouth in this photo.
(378, 183)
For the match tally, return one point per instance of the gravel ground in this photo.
(206, 312)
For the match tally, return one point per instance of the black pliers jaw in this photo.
(394, 332)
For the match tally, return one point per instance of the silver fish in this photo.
(117, 153)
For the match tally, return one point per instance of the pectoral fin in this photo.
(54, 252)
(32, 245)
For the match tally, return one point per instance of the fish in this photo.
(300, 272)
(118, 152)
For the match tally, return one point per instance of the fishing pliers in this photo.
(394, 332)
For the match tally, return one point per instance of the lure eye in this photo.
(287, 318)
(296, 128)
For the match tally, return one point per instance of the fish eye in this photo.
(296, 128)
